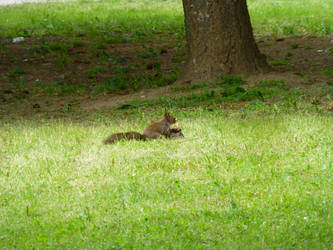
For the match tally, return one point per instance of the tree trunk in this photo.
(219, 40)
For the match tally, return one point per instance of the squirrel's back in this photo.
(128, 136)
(161, 128)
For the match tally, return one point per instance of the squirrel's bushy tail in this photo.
(126, 136)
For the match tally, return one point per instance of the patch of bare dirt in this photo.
(52, 59)
(299, 61)
(308, 56)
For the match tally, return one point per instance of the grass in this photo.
(59, 88)
(229, 89)
(260, 181)
(328, 72)
(122, 21)
(292, 17)
(257, 174)
(118, 20)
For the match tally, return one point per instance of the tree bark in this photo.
(219, 40)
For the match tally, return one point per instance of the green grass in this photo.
(123, 21)
(117, 20)
(256, 176)
(259, 181)
(328, 72)
(228, 90)
(59, 88)
(292, 17)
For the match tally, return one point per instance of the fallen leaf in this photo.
(85, 98)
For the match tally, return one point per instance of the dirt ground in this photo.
(300, 61)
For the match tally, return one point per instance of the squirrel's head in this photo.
(169, 118)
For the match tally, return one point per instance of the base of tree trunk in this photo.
(219, 41)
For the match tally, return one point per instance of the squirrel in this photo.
(128, 136)
(153, 131)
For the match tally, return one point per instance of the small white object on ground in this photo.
(18, 39)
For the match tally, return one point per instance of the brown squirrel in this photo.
(153, 131)
(128, 136)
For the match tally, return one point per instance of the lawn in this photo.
(254, 171)
(258, 180)
(143, 18)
